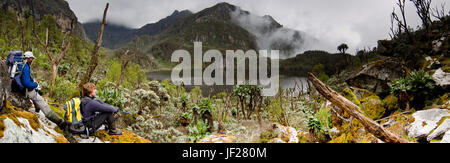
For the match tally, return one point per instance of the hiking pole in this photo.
(124, 112)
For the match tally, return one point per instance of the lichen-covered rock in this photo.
(378, 76)
(370, 104)
(372, 107)
(442, 78)
(438, 43)
(446, 138)
(14, 99)
(218, 138)
(349, 95)
(4, 86)
(440, 130)
(426, 121)
(25, 127)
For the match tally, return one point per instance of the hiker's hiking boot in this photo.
(112, 129)
(57, 120)
(115, 132)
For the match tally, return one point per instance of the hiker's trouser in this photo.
(98, 120)
(40, 104)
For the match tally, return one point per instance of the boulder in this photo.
(433, 63)
(426, 122)
(440, 130)
(218, 138)
(446, 138)
(371, 105)
(378, 76)
(6, 96)
(442, 78)
(438, 43)
(4, 86)
(25, 127)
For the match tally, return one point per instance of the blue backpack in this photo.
(15, 65)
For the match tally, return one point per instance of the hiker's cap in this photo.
(29, 54)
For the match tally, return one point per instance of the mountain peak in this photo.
(183, 12)
(224, 4)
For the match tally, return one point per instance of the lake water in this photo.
(296, 83)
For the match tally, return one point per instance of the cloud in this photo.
(355, 22)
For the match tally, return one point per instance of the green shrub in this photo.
(205, 106)
(324, 117)
(314, 124)
(198, 131)
(62, 89)
(112, 97)
(249, 97)
(183, 119)
(196, 94)
(420, 86)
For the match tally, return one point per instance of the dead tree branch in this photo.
(94, 56)
(343, 103)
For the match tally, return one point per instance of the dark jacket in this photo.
(90, 105)
(27, 80)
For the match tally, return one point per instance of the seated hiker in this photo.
(96, 112)
(31, 90)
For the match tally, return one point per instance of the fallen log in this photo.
(371, 126)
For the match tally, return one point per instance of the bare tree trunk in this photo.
(340, 101)
(94, 56)
(402, 23)
(125, 60)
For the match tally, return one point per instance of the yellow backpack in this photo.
(72, 111)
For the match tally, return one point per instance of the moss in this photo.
(126, 137)
(2, 126)
(442, 120)
(61, 139)
(446, 68)
(266, 136)
(57, 110)
(391, 103)
(439, 123)
(373, 107)
(58, 130)
(348, 93)
(344, 138)
(15, 113)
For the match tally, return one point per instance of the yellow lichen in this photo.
(2, 126)
(14, 113)
(61, 139)
(126, 137)
(32, 118)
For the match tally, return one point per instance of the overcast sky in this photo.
(359, 23)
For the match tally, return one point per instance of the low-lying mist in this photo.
(271, 35)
